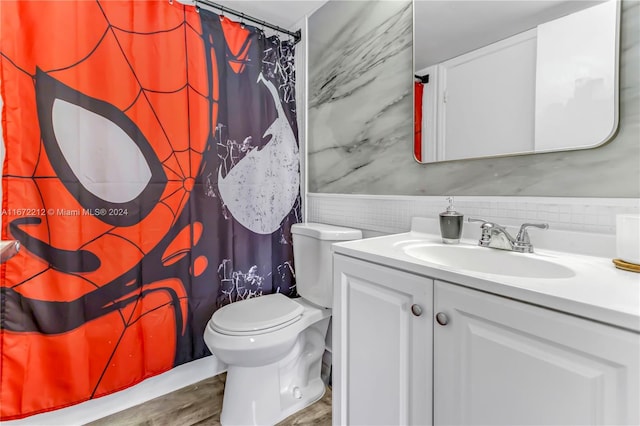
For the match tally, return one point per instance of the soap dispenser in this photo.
(451, 224)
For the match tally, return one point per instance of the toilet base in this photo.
(268, 394)
(314, 392)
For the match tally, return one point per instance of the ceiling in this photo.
(445, 29)
(285, 14)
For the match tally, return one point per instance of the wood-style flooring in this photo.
(200, 404)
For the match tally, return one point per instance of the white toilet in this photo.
(272, 344)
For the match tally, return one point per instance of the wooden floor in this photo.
(200, 404)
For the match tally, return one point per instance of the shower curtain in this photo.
(151, 176)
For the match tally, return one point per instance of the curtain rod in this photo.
(297, 35)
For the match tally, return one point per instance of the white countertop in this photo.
(598, 291)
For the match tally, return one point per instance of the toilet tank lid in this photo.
(322, 231)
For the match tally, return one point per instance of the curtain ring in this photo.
(242, 21)
(170, 1)
(197, 8)
(222, 13)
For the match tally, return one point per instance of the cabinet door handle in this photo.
(442, 318)
(416, 310)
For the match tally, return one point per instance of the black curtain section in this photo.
(247, 263)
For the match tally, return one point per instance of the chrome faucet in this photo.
(496, 236)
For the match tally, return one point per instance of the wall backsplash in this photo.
(360, 135)
(576, 225)
(387, 214)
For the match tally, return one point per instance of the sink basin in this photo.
(489, 261)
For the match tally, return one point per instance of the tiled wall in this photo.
(360, 104)
(392, 214)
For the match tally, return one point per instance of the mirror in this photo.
(511, 77)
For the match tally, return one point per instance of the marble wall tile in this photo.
(360, 91)
(360, 137)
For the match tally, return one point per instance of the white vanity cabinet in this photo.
(382, 335)
(496, 361)
(502, 362)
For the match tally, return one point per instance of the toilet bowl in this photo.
(272, 372)
(273, 345)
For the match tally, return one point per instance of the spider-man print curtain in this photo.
(151, 176)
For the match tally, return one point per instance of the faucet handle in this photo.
(486, 227)
(471, 219)
(523, 244)
(523, 235)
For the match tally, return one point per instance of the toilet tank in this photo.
(312, 259)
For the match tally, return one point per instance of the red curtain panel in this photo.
(417, 141)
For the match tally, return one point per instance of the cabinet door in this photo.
(382, 350)
(502, 362)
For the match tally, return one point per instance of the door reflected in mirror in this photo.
(500, 78)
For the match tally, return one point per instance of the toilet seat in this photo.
(258, 315)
